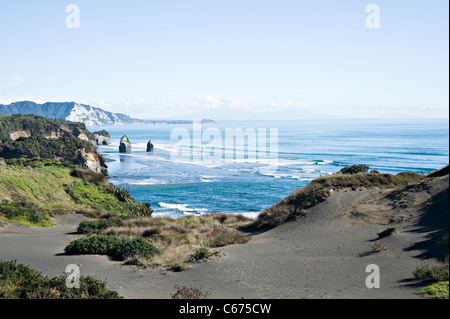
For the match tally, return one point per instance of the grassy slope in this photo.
(47, 187)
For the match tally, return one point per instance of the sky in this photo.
(280, 59)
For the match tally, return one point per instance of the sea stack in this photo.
(150, 146)
(125, 145)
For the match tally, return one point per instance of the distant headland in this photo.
(76, 112)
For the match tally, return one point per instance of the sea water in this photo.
(178, 186)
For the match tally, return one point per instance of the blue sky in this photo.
(275, 59)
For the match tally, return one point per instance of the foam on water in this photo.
(248, 185)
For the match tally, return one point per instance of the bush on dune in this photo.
(96, 226)
(18, 281)
(112, 246)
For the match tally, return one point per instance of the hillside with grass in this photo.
(34, 190)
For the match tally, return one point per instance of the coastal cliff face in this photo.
(34, 136)
(93, 161)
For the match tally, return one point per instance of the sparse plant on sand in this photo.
(378, 247)
(184, 292)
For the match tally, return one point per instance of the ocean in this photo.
(205, 168)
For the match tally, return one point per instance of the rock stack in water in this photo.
(125, 145)
(150, 146)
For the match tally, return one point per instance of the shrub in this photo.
(96, 226)
(200, 254)
(18, 281)
(137, 247)
(95, 245)
(112, 246)
(355, 169)
(181, 266)
(432, 273)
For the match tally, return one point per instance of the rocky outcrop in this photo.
(150, 146)
(66, 130)
(125, 145)
(18, 134)
(93, 161)
(102, 140)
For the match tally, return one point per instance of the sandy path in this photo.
(320, 256)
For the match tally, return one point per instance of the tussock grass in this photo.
(181, 241)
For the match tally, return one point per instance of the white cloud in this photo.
(200, 102)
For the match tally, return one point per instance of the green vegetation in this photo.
(40, 126)
(102, 197)
(18, 281)
(318, 191)
(103, 133)
(436, 273)
(200, 254)
(180, 266)
(125, 139)
(112, 246)
(66, 148)
(443, 243)
(438, 277)
(96, 226)
(42, 137)
(437, 290)
(355, 169)
(33, 190)
(25, 214)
